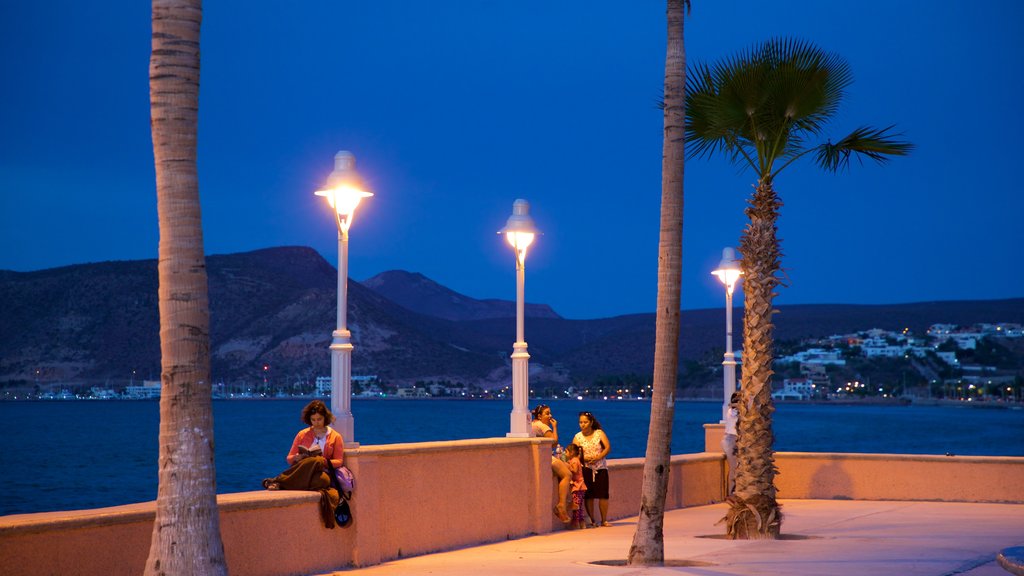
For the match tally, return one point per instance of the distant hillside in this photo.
(98, 323)
(275, 307)
(421, 294)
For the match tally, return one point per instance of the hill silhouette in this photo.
(98, 323)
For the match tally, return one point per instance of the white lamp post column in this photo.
(343, 191)
(729, 273)
(520, 231)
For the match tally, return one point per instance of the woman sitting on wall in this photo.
(544, 426)
(315, 453)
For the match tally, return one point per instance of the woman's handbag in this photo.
(344, 482)
(345, 479)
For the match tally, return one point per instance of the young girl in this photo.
(574, 459)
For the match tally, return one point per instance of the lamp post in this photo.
(520, 231)
(344, 190)
(729, 273)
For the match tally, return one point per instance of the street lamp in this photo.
(520, 231)
(344, 190)
(729, 273)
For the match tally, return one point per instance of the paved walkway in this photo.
(824, 537)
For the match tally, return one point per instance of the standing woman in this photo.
(729, 439)
(595, 446)
(545, 426)
(312, 472)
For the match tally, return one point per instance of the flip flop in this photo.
(561, 515)
(605, 524)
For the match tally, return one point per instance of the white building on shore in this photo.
(149, 390)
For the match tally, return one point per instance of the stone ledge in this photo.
(16, 524)
(443, 446)
(676, 458)
(847, 456)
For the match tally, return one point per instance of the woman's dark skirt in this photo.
(597, 487)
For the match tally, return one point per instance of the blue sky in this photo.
(455, 109)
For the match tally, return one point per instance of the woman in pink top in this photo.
(314, 454)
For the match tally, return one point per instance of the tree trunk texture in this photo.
(186, 533)
(648, 541)
(754, 512)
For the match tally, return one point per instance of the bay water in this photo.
(71, 455)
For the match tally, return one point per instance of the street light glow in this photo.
(728, 269)
(520, 230)
(519, 240)
(344, 190)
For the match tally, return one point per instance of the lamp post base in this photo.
(519, 419)
(341, 385)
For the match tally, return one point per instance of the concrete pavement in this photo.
(821, 537)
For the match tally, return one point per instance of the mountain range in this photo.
(275, 308)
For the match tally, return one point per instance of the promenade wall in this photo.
(419, 498)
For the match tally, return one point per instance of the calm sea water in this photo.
(108, 449)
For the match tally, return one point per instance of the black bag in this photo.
(342, 513)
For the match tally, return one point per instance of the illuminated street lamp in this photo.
(344, 190)
(520, 231)
(729, 273)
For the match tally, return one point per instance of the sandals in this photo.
(269, 484)
(561, 515)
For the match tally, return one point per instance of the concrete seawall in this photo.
(418, 498)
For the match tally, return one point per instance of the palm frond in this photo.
(763, 105)
(878, 144)
(760, 102)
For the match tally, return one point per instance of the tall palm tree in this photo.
(765, 108)
(186, 534)
(648, 541)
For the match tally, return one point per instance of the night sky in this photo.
(455, 109)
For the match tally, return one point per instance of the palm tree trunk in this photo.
(186, 534)
(753, 511)
(648, 541)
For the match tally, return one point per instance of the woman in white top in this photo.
(595, 444)
(545, 426)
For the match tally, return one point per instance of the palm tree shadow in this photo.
(830, 482)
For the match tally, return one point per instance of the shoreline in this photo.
(900, 402)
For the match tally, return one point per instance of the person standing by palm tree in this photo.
(186, 532)
(762, 108)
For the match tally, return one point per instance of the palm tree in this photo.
(648, 541)
(186, 533)
(764, 109)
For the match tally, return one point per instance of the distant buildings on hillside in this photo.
(941, 341)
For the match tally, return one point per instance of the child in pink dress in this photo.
(574, 459)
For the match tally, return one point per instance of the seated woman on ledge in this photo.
(315, 453)
(544, 426)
